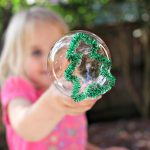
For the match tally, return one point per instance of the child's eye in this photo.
(37, 52)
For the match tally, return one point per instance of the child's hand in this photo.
(66, 104)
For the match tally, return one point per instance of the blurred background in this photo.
(121, 117)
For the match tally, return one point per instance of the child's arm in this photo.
(35, 121)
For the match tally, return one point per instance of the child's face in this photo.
(39, 44)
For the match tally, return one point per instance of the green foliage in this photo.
(85, 13)
(82, 13)
(18, 5)
(88, 13)
(3, 3)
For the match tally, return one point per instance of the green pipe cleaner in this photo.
(92, 90)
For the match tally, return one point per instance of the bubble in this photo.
(73, 63)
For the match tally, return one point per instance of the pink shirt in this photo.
(69, 134)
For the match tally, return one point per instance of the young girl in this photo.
(35, 114)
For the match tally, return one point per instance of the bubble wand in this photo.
(104, 80)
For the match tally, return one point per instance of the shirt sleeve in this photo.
(16, 87)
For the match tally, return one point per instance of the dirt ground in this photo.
(132, 134)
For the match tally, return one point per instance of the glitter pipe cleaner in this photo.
(92, 90)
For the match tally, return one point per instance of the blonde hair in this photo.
(13, 50)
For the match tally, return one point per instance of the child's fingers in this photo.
(68, 105)
(70, 111)
(71, 103)
(78, 108)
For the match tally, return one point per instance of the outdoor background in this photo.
(121, 117)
